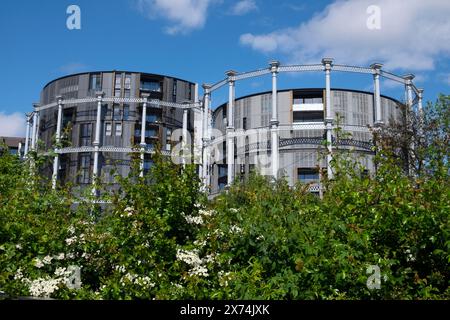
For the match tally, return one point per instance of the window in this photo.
(116, 112)
(118, 129)
(85, 134)
(85, 168)
(244, 123)
(137, 132)
(118, 83)
(126, 111)
(224, 149)
(307, 100)
(108, 128)
(67, 116)
(117, 93)
(95, 82)
(152, 118)
(308, 116)
(150, 85)
(127, 81)
(150, 133)
(168, 137)
(223, 170)
(174, 93)
(307, 175)
(126, 93)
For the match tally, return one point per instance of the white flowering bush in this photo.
(161, 239)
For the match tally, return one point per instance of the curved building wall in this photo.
(120, 122)
(301, 115)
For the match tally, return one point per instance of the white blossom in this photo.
(189, 257)
(121, 269)
(199, 271)
(60, 256)
(18, 275)
(44, 287)
(194, 220)
(62, 272)
(38, 263)
(235, 229)
(128, 212)
(234, 210)
(19, 246)
(409, 256)
(71, 229)
(47, 260)
(71, 240)
(207, 213)
(224, 277)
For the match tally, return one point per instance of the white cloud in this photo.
(413, 34)
(243, 7)
(185, 15)
(12, 125)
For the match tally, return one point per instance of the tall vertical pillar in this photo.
(184, 138)
(420, 110)
(97, 141)
(329, 119)
(19, 150)
(376, 67)
(143, 144)
(230, 128)
(419, 103)
(205, 133)
(27, 135)
(38, 121)
(408, 90)
(409, 103)
(34, 131)
(274, 121)
(58, 140)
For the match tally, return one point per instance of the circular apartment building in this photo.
(98, 119)
(301, 129)
(94, 121)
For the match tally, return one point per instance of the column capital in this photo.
(329, 121)
(327, 62)
(206, 88)
(274, 64)
(408, 78)
(36, 105)
(420, 91)
(99, 94)
(231, 74)
(274, 123)
(59, 99)
(376, 67)
(145, 96)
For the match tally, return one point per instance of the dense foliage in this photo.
(160, 238)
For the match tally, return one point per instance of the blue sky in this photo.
(198, 40)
